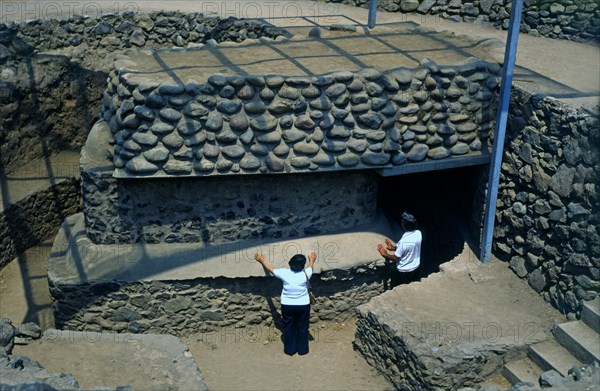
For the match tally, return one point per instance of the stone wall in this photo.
(53, 72)
(206, 304)
(217, 210)
(577, 20)
(47, 104)
(548, 216)
(116, 32)
(37, 217)
(269, 124)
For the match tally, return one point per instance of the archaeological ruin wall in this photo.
(548, 216)
(575, 20)
(186, 165)
(57, 70)
(53, 73)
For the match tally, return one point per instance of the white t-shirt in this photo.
(295, 288)
(408, 251)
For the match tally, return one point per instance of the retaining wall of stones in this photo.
(48, 102)
(339, 121)
(548, 216)
(225, 209)
(576, 20)
(116, 32)
(37, 217)
(207, 304)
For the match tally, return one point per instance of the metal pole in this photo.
(372, 13)
(510, 56)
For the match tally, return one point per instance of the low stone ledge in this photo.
(142, 362)
(187, 288)
(452, 329)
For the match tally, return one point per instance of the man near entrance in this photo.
(406, 253)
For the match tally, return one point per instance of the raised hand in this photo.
(390, 246)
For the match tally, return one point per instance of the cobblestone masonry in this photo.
(548, 216)
(219, 209)
(54, 71)
(206, 304)
(577, 20)
(37, 217)
(261, 124)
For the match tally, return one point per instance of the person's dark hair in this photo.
(297, 262)
(408, 221)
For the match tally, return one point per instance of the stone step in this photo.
(550, 355)
(522, 371)
(580, 340)
(590, 314)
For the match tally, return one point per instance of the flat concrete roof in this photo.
(398, 45)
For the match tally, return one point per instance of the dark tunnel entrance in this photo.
(443, 203)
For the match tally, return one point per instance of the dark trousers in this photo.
(401, 278)
(295, 328)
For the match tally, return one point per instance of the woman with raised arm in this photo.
(295, 302)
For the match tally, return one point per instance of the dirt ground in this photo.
(248, 359)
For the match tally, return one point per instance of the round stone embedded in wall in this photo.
(311, 92)
(177, 167)
(204, 166)
(263, 123)
(139, 165)
(210, 151)
(255, 107)
(339, 132)
(355, 86)
(304, 122)
(157, 154)
(170, 115)
(161, 128)
(274, 163)
(370, 74)
(273, 137)
(460, 149)
(274, 81)
(147, 139)
(233, 151)
(347, 159)
(323, 159)
(417, 153)
(289, 93)
(254, 80)
(250, 163)
(300, 161)
(375, 159)
(306, 148)
(238, 122)
(334, 146)
(293, 135)
(217, 80)
(438, 153)
(343, 76)
(403, 76)
(246, 92)
(214, 122)
(196, 139)
(194, 109)
(144, 113)
(224, 165)
(229, 106)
